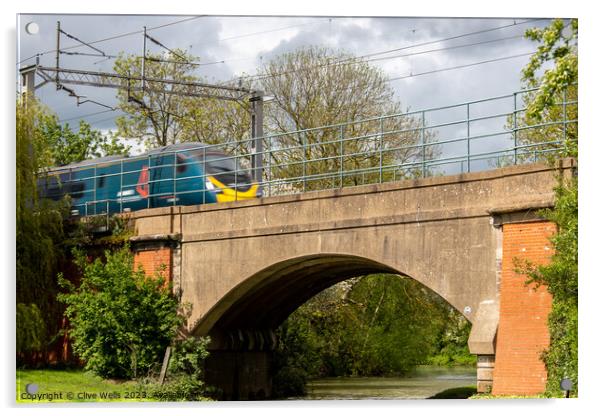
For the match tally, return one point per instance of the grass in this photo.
(65, 386)
(485, 396)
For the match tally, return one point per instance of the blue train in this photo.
(179, 174)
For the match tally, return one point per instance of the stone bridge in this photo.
(245, 266)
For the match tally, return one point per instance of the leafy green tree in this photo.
(121, 320)
(560, 277)
(39, 236)
(558, 43)
(60, 145)
(551, 111)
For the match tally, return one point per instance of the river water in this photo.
(424, 382)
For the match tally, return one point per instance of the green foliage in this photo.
(184, 381)
(561, 47)
(121, 320)
(62, 146)
(377, 325)
(182, 388)
(188, 356)
(39, 232)
(452, 344)
(31, 328)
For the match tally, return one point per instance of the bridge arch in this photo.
(264, 299)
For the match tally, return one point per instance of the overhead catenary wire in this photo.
(85, 115)
(122, 35)
(359, 59)
(81, 41)
(463, 66)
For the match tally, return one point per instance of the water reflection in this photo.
(425, 382)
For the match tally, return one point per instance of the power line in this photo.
(86, 115)
(444, 49)
(478, 32)
(357, 59)
(399, 56)
(462, 66)
(114, 37)
(386, 57)
(262, 32)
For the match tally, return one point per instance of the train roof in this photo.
(169, 148)
(176, 147)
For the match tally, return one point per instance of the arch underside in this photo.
(266, 299)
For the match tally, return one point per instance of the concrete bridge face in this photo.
(244, 267)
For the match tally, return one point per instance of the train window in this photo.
(101, 181)
(181, 164)
(76, 190)
(220, 163)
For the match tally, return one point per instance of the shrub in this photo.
(184, 381)
(121, 320)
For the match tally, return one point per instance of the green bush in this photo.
(188, 356)
(121, 320)
(183, 387)
(184, 380)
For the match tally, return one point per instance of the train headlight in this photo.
(209, 185)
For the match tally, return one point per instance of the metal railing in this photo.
(465, 137)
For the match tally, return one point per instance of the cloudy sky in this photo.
(417, 54)
(239, 44)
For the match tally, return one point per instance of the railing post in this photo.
(380, 156)
(515, 131)
(423, 141)
(564, 117)
(269, 173)
(121, 187)
(95, 191)
(148, 182)
(204, 178)
(341, 154)
(236, 175)
(175, 163)
(304, 172)
(468, 137)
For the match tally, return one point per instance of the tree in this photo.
(153, 115)
(560, 277)
(543, 124)
(60, 145)
(39, 237)
(311, 91)
(121, 320)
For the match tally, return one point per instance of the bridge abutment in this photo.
(522, 333)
